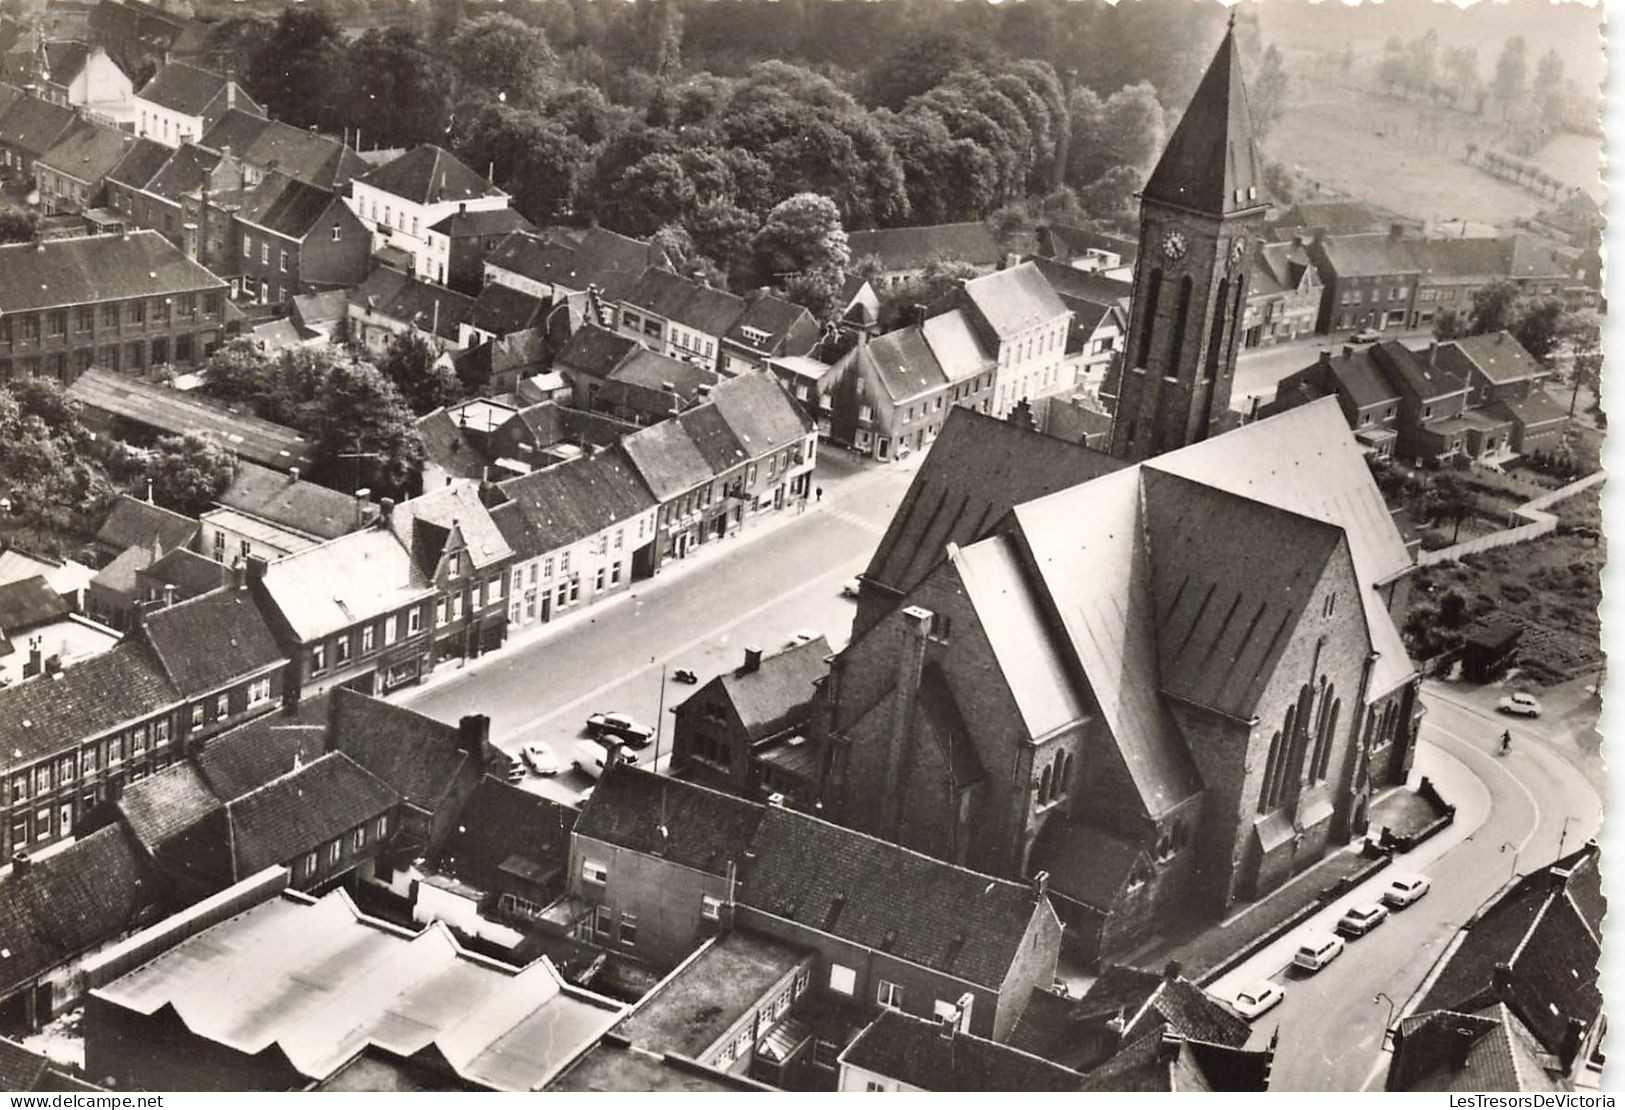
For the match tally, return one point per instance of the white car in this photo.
(851, 587)
(1255, 1001)
(541, 759)
(1402, 890)
(1317, 950)
(1357, 921)
(592, 759)
(1519, 705)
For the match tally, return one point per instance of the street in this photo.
(1258, 370)
(779, 578)
(1513, 814)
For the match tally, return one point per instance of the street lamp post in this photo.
(1515, 851)
(660, 718)
(1387, 1030)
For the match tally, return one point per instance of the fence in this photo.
(1533, 510)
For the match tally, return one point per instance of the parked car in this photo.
(802, 637)
(850, 587)
(1402, 890)
(1260, 998)
(685, 676)
(541, 759)
(1519, 705)
(1357, 921)
(1316, 951)
(591, 758)
(620, 726)
(1367, 335)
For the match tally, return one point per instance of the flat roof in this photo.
(700, 1001)
(399, 991)
(609, 1067)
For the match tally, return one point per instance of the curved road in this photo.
(1513, 812)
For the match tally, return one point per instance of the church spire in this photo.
(1211, 163)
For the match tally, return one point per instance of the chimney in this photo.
(293, 473)
(948, 1026)
(20, 863)
(1574, 1035)
(1326, 357)
(386, 509)
(462, 208)
(1396, 231)
(910, 666)
(169, 594)
(362, 496)
(239, 574)
(1461, 1046)
(474, 734)
(149, 491)
(668, 387)
(1171, 970)
(257, 566)
(753, 661)
(1040, 884)
(1169, 1048)
(1348, 351)
(36, 662)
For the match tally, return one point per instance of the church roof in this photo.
(1212, 163)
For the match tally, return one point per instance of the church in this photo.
(1170, 677)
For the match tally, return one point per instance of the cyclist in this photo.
(1506, 741)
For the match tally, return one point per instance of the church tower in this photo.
(1199, 218)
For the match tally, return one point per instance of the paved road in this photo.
(783, 577)
(1513, 812)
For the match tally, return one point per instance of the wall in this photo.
(159, 1053)
(665, 897)
(127, 335)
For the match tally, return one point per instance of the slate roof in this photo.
(284, 205)
(478, 225)
(790, 328)
(1535, 409)
(245, 758)
(272, 145)
(667, 459)
(136, 523)
(395, 296)
(870, 892)
(712, 437)
(500, 822)
(303, 810)
(72, 900)
(340, 583)
(212, 641)
(29, 603)
(33, 126)
(611, 261)
(92, 268)
(559, 505)
(183, 88)
(778, 691)
(292, 502)
(44, 715)
(501, 309)
(121, 576)
(1333, 215)
(912, 248)
(707, 830)
(919, 1053)
(166, 804)
(20, 1069)
(1501, 1054)
(185, 171)
(1153, 1063)
(190, 573)
(445, 447)
(417, 756)
(978, 468)
(1014, 300)
(1072, 284)
(903, 363)
(1361, 378)
(172, 412)
(1499, 357)
(1211, 163)
(429, 175)
(695, 306)
(1415, 372)
(1086, 864)
(652, 370)
(760, 413)
(955, 345)
(456, 505)
(596, 351)
(65, 60)
(1371, 255)
(88, 152)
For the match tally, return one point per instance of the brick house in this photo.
(1369, 280)
(1144, 783)
(151, 185)
(390, 303)
(657, 865)
(770, 327)
(183, 101)
(355, 611)
(401, 200)
(749, 731)
(122, 301)
(270, 513)
(71, 176)
(1432, 401)
(456, 546)
(264, 146)
(678, 317)
(1283, 295)
(30, 126)
(1369, 401)
(458, 245)
(286, 238)
(1099, 307)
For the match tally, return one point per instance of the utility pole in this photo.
(660, 718)
(356, 456)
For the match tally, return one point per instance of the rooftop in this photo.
(212, 641)
(912, 248)
(1211, 163)
(45, 715)
(933, 1056)
(57, 273)
(338, 584)
(187, 89)
(695, 306)
(1014, 300)
(136, 523)
(429, 175)
(291, 502)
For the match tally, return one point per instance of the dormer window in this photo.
(756, 337)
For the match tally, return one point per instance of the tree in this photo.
(18, 226)
(1583, 334)
(1268, 92)
(1452, 501)
(803, 246)
(678, 245)
(188, 472)
(663, 33)
(651, 193)
(1510, 70)
(722, 232)
(398, 92)
(1493, 307)
(296, 73)
(1422, 54)
(1461, 71)
(1538, 326)
(920, 62)
(416, 371)
(49, 468)
(1447, 325)
(1126, 131)
(362, 413)
(531, 157)
(502, 58)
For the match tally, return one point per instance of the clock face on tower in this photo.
(1174, 244)
(1238, 251)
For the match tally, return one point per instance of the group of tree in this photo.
(1540, 324)
(50, 470)
(361, 425)
(1426, 68)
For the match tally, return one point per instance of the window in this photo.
(64, 772)
(389, 631)
(334, 850)
(710, 908)
(222, 706)
(871, 1085)
(336, 233)
(265, 252)
(440, 612)
(310, 864)
(318, 659)
(259, 691)
(64, 818)
(87, 762)
(380, 827)
(358, 839)
(598, 579)
(414, 621)
(160, 733)
(594, 872)
(248, 246)
(842, 980)
(615, 574)
(138, 742)
(629, 929)
(115, 751)
(890, 994)
(19, 831)
(603, 920)
(84, 319)
(42, 825)
(42, 779)
(284, 261)
(369, 638)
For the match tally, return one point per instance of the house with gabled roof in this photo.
(71, 176)
(270, 513)
(456, 545)
(391, 302)
(679, 317)
(30, 126)
(401, 200)
(1181, 729)
(268, 146)
(182, 101)
(903, 253)
(560, 262)
(1283, 294)
(770, 327)
(459, 245)
(1022, 321)
(285, 237)
(76, 74)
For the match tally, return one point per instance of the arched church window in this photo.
(1043, 787)
(1177, 350)
(1153, 292)
(1215, 340)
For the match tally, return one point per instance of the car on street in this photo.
(620, 726)
(1357, 921)
(1519, 704)
(1254, 1001)
(1402, 890)
(802, 637)
(850, 587)
(1316, 950)
(1367, 335)
(541, 759)
(591, 758)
